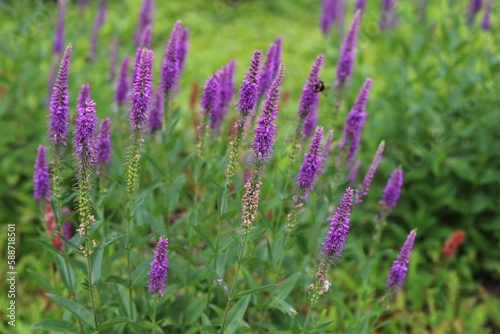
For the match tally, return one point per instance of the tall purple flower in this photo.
(361, 5)
(113, 58)
(309, 98)
(346, 58)
(59, 107)
(353, 173)
(142, 89)
(485, 22)
(392, 189)
(41, 180)
(399, 267)
(367, 180)
(387, 14)
(327, 15)
(159, 268)
(265, 131)
(210, 100)
(104, 143)
(227, 85)
(83, 96)
(122, 85)
(98, 22)
(271, 63)
(473, 9)
(67, 227)
(354, 122)
(146, 37)
(156, 113)
(182, 48)
(249, 90)
(170, 65)
(57, 43)
(84, 137)
(145, 19)
(339, 227)
(312, 162)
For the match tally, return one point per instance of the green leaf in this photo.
(140, 273)
(41, 280)
(66, 272)
(195, 309)
(228, 215)
(111, 238)
(236, 315)
(116, 280)
(96, 265)
(252, 291)
(75, 308)
(55, 326)
(205, 238)
(285, 307)
(113, 322)
(285, 287)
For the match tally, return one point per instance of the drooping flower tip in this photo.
(41, 179)
(159, 268)
(347, 50)
(452, 243)
(249, 90)
(399, 267)
(392, 190)
(142, 90)
(339, 227)
(312, 162)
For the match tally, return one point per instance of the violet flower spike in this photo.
(486, 22)
(122, 85)
(271, 64)
(399, 267)
(159, 268)
(392, 190)
(57, 43)
(59, 105)
(210, 100)
(249, 90)
(142, 90)
(98, 22)
(326, 150)
(145, 19)
(156, 113)
(41, 179)
(265, 131)
(361, 5)
(367, 180)
(312, 162)
(353, 173)
(170, 65)
(104, 142)
(67, 226)
(339, 227)
(113, 58)
(182, 48)
(309, 98)
(473, 9)
(83, 96)
(227, 85)
(84, 137)
(146, 37)
(328, 15)
(346, 58)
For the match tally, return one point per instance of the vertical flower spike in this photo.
(367, 180)
(265, 131)
(353, 173)
(327, 15)
(83, 96)
(58, 42)
(346, 58)
(271, 63)
(326, 150)
(41, 180)
(309, 98)
(473, 9)
(339, 227)
(122, 85)
(361, 5)
(156, 113)
(210, 98)
(354, 122)
(98, 22)
(104, 144)
(387, 14)
(399, 267)
(312, 163)
(227, 85)
(146, 37)
(452, 243)
(183, 48)
(84, 140)
(145, 19)
(485, 22)
(392, 190)
(142, 90)
(170, 65)
(113, 59)
(67, 227)
(249, 89)
(159, 268)
(59, 107)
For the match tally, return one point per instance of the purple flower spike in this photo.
(170, 65)
(67, 228)
(354, 121)
(104, 142)
(309, 97)
(387, 14)
(59, 107)
(346, 58)
(473, 9)
(83, 96)
(353, 173)
(210, 100)
(271, 63)
(57, 43)
(399, 267)
(84, 136)
(227, 85)
(41, 181)
(361, 5)
(392, 190)
(339, 227)
(146, 37)
(159, 268)
(367, 180)
(156, 114)
(312, 162)
(145, 19)
(98, 22)
(485, 22)
(265, 131)
(326, 150)
(327, 15)
(142, 90)
(249, 90)
(122, 85)
(183, 48)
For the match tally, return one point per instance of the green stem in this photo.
(90, 283)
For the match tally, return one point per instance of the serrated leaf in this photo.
(236, 314)
(75, 308)
(55, 326)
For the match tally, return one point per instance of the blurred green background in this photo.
(435, 100)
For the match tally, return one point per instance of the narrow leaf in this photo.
(75, 308)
